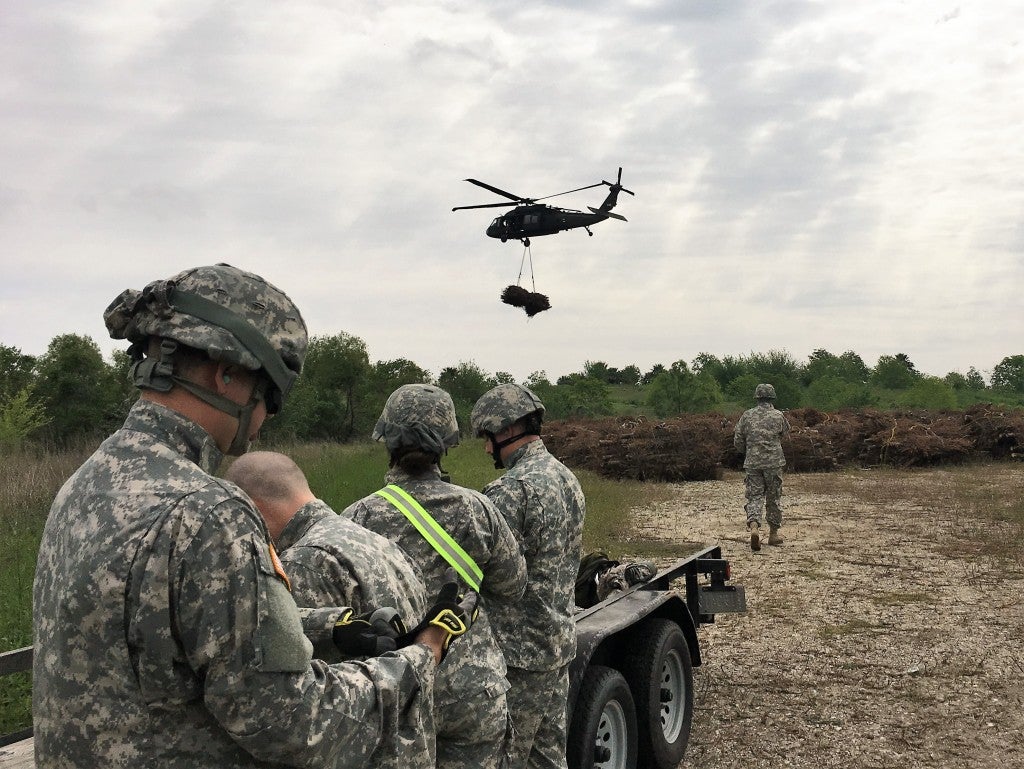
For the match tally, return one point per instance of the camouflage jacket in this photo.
(475, 662)
(544, 505)
(758, 435)
(165, 635)
(332, 561)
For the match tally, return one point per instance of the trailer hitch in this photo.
(718, 570)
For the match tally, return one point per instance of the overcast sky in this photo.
(838, 175)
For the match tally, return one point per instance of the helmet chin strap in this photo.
(157, 373)
(497, 446)
(240, 443)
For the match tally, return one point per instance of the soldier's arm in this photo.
(505, 572)
(323, 589)
(241, 632)
(739, 435)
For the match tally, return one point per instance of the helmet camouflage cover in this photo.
(764, 392)
(418, 416)
(502, 406)
(231, 315)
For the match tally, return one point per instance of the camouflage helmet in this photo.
(418, 416)
(501, 407)
(232, 315)
(764, 392)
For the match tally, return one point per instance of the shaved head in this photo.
(267, 475)
(274, 482)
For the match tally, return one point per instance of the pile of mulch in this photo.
(697, 446)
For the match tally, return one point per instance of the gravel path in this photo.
(888, 631)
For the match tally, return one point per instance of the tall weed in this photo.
(28, 483)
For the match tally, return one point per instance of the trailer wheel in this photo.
(603, 734)
(660, 676)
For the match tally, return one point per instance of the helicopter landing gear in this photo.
(526, 242)
(588, 231)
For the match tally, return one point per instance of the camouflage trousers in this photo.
(537, 702)
(475, 732)
(764, 492)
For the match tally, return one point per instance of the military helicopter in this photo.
(530, 218)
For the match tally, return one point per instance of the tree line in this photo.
(71, 394)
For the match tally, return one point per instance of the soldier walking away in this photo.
(543, 503)
(332, 561)
(165, 634)
(758, 436)
(440, 527)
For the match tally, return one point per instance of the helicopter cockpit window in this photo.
(496, 222)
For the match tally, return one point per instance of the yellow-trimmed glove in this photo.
(369, 634)
(454, 615)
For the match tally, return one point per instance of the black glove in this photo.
(370, 634)
(450, 613)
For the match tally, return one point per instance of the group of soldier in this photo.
(184, 619)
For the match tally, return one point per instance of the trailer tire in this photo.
(603, 732)
(660, 675)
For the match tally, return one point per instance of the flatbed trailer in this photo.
(631, 682)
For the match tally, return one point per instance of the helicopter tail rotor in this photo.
(617, 187)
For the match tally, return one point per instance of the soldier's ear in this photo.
(223, 376)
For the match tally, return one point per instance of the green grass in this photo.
(628, 400)
(342, 474)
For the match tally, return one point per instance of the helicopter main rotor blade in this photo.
(485, 205)
(496, 191)
(578, 189)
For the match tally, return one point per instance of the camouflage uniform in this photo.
(543, 503)
(332, 561)
(758, 435)
(165, 635)
(473, 728)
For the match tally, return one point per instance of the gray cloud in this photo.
(807, 175)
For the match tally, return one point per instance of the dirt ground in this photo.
(888, 630)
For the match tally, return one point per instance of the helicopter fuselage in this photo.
(536, 220)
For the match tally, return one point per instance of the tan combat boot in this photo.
(774, 538)
(755, 535)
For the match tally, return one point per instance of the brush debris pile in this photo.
(683, 449)
(696, 446)
(530, 301)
